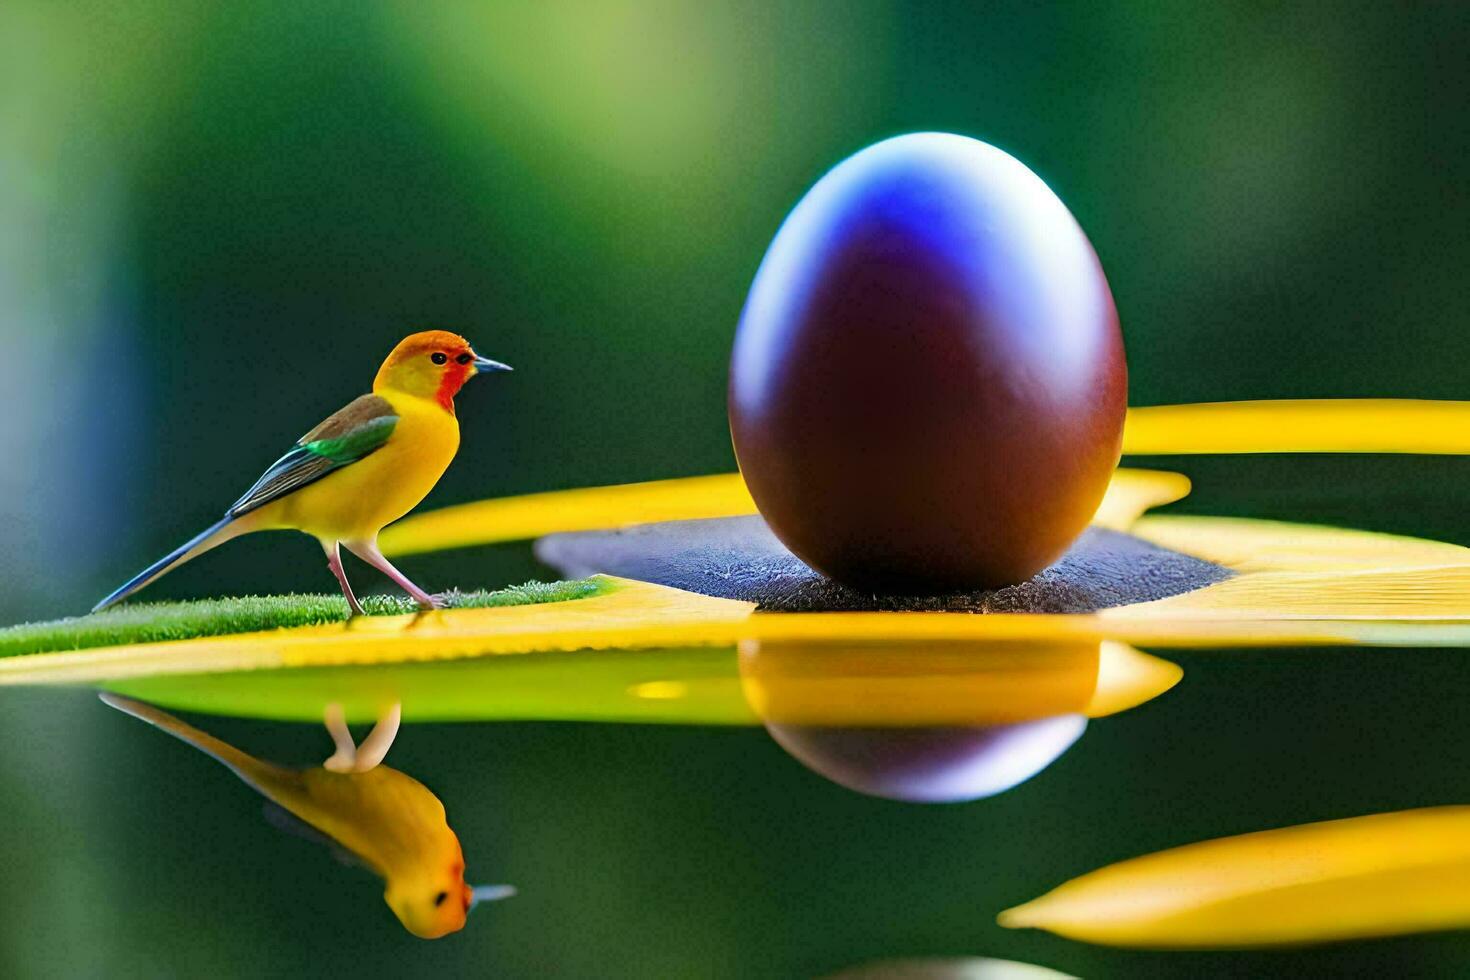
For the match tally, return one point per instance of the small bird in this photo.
(377, 816)
(363, 468)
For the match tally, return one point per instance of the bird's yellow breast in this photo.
(385, 817)
(357, 501)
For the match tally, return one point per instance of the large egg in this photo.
(928, 387)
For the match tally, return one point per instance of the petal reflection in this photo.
(939, 722)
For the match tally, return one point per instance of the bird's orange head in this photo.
(432, 899)
(433, 364)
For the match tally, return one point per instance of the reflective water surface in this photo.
(672, 849)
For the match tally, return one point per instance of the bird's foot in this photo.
(438, 600)
(346, 755)
(374, 749)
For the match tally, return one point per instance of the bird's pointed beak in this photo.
(483, 365)
(490, 893)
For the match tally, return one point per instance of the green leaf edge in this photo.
(153, 622)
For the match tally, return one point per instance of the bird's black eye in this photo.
(438, 357)
(464, 359)
(439, 899)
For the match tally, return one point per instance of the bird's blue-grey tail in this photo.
(266, 778)
(215, 534)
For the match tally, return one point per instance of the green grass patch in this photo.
(151, 622)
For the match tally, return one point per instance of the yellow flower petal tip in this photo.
(1021, 917)
(1133, 491)
(1127, 677)
(1369, 425)
(1382, 875)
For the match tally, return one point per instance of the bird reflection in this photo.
(381, 818)
(940, 722)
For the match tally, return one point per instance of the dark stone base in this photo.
(739, 558)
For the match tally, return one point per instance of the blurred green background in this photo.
(216, 219)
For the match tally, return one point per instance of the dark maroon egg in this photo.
(928, 386)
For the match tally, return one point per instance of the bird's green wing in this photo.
(346, 437)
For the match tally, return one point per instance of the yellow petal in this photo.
(1440, 594)
(627, 615)
(1127, 677)
(1308, 426)
(1132, 492)
(585, 509)
(1300, 572)
(1152, 627)
(592, 508)
(1379, 875)
(1276, 546)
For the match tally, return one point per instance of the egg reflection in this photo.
(940, 722)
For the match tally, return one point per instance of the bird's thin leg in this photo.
(334, 562)
(374, 748)
(345, 758)
(368, 552)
